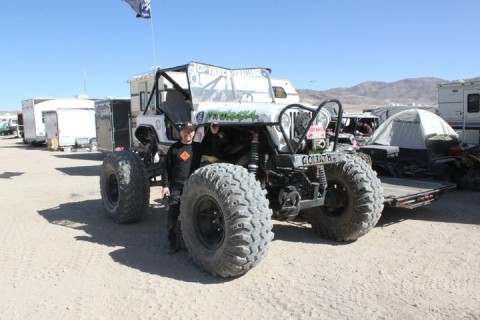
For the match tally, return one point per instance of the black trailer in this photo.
(113, 124)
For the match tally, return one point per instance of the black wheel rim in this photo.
(209, 222)
(112, 189)
(336, 199)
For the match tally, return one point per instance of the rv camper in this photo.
(113, 125)
(33, 121)
(459, 105)
(67, 127)
(284, 91)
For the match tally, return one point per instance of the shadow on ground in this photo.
(300, 231)
(82, 170)
(17, 146)
(142, 245)
(94, 156)
(85, 171)
(9, 175)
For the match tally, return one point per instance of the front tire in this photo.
(353, 203)
(225, 220)
(124, 187)
(365, 157)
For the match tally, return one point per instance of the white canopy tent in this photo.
(412, 129)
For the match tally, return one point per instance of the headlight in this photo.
(286, 122)
(323, 118)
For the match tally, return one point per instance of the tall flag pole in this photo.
(143, 10)
(153, 43)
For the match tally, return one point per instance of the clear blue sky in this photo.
(47, 45)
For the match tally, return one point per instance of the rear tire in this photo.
(124, 187)
(353, 203)
(225, 220)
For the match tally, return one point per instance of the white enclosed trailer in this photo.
(33, 121)
(70, 127)
(459, 105)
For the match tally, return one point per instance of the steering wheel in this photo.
(247, 97)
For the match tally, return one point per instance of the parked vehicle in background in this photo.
(284, 92)
(34, 121)
(352, 127)
(6, 129)
(415, 144)
(69, 127)
(470, 169)
(20, 125)
(113, 124)
(459, 105)
(9, 125)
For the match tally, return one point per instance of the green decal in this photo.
(216, 115)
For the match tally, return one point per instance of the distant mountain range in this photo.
(371, 94)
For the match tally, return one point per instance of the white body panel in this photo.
(158, 122)
(68, 125)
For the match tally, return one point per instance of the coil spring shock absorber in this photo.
(253, 156)
(322, 178)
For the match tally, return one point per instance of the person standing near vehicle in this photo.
(183, 158)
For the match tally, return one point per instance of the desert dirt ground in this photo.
(61, 258)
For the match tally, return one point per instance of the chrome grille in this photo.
(295, 116)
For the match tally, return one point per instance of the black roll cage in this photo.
(293, 149)
(163, 73)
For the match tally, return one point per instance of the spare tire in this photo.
(124, 187)
(225, 220)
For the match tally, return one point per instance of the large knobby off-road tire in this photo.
(365, 157)
(353, 203)
(225, 220)
(124, 187)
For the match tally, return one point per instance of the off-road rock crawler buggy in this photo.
(276, 162)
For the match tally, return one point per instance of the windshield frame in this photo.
(210, 83)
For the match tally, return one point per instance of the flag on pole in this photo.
(141, 7)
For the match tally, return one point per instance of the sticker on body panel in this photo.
(316, 132)
(217, 115)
